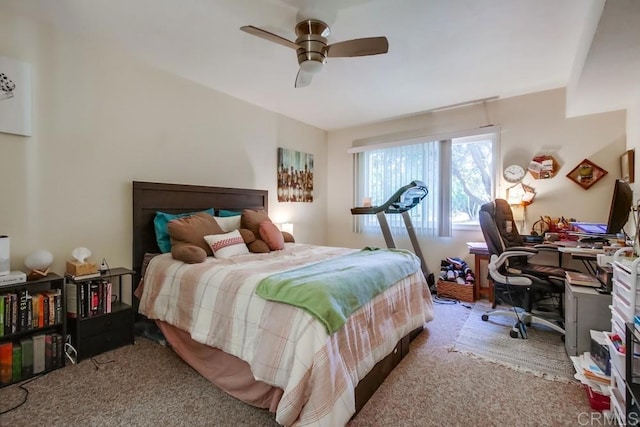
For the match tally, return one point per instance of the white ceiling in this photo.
(441, 52)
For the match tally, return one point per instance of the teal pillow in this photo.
(162, 232)
(225, 213)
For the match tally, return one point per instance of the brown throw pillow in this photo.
(247, 235)
(192, 229)
(259, 247)
(251, 220)
(271, 235)
(288, 237)
(190, 254)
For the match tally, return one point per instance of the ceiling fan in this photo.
(313, 50)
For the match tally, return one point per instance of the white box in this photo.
(12, 278)
(4, 255)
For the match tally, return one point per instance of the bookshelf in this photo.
(98, 320)
(32, 328)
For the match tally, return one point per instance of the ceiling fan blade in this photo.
(359, 47)
(303, 78)
(268, 36)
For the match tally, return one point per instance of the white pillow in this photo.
(228, 223)
(226, 245)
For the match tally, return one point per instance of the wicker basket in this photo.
(455, 290)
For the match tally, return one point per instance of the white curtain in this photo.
(381, 172)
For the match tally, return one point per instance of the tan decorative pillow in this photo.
(251, 220)
(271, 235)
(190, 254)
(192, 230)
(288, 237)
(259, 247)
(247, 235)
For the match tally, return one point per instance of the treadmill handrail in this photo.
(395, 203)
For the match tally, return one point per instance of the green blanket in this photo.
(331, 290)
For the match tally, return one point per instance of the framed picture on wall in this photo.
(295, 176)
(586, 173)
(627, 168)
(15, 96)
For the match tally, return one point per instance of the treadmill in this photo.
(402, 201)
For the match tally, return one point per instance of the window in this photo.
(458, 171)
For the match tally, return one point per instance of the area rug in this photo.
(542, 354)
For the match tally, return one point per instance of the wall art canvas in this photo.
(15, 96)
(295, 176)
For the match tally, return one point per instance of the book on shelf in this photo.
(14, 313)
(7, 314)
(35, 310)
(48, 352)
(58, 347)
(82, 276)
(38, 353)
(13, 278)
(16, 362)
(27, 356)
(22, 310)
(582, 279)
(71, 292)
(2, 315)
(6, 362)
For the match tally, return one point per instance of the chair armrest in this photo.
(547, 247)
(528, 250)
(495, 263)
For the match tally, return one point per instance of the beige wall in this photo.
(530, 125)
(102, 120)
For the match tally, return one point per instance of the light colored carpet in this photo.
(542, 354)
(148, 385)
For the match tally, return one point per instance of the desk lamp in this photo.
(519, 196)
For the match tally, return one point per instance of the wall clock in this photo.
(513, 173)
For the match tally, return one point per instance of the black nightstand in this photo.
(99, 322)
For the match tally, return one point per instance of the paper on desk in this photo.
(587, 372)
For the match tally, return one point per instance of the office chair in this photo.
(517, 282)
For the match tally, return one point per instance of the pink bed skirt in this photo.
(224, 370)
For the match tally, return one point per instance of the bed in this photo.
(330, 387)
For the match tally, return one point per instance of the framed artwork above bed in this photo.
(295, 176)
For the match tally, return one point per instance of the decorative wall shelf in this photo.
(586, 173)
(543, 167)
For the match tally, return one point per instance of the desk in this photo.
(588, 256)
(584, 309)
(480, 252)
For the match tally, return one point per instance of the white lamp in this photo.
(38, 262)
(287, 227)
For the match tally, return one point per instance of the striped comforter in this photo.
(285, 346)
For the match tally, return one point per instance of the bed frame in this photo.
(150, 197)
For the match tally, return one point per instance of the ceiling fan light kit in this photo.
(312, 49)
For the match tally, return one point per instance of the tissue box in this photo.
(77, 268)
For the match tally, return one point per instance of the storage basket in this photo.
(455, 290)
(598, 402)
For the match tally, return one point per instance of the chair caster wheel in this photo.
(485, 317)
(513, 334)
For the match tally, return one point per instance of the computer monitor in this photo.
(620, 207)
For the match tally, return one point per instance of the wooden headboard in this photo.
(150, 197)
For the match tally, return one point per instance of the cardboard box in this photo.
(76, 268)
